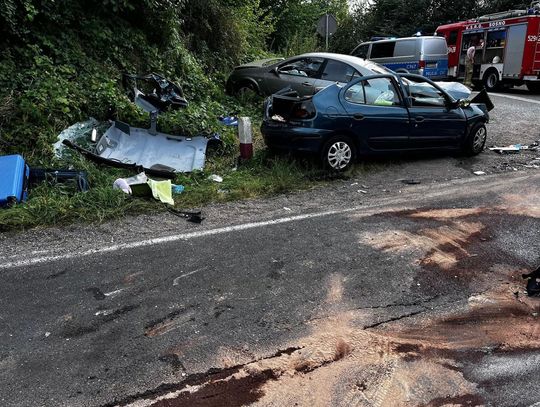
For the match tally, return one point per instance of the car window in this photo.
(308, 67)
(405, 48)
(375, 92)
(383, 49)
(361, 51)
(424, 94)
(336, 71)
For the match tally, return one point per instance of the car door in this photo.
(335, 72)
(377, 113)
(299, 74)
(434, 122)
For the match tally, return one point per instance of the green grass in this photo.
(57, 204)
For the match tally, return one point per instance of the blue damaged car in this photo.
(375, 114)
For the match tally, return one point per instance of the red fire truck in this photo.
(507, 48)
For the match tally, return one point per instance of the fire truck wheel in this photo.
(491, 80)
(534, 87)
(476, 140)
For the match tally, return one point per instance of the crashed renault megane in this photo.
(378, 113)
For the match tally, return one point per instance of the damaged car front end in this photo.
(374, 115)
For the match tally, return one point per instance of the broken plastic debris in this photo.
(533, 283)
(215, 178)
(177, 189)
(122, 184)
(514, 148)
(410, 181)
(229, 120)
(479, 173)
(278, 118)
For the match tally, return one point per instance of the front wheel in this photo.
(491, 80)
(476, 140)
(339, 153)
(534, 87)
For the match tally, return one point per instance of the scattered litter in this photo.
(479, 173)
(215, 178)
(533, 283)
(122, 184)
(177, 189)
(287, 209)
(354, 184)
(162, 190)
(516, 148)
(47, 334)
(195, 217)
(362, 191)
(230, 120)
(113, 293)
(410, 182)
(278, 118)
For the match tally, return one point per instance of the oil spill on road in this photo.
(74, 328)
(171, 321)
(234, 392)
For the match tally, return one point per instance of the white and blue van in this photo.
(427, 56)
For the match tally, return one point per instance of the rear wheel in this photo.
(245, 90)
(491, 80)
(339, 153)
(476, 140)
(534, 86)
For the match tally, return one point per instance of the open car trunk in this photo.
(285, 103)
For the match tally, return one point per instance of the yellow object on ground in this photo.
(161, 190)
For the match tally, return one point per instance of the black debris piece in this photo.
(533, 283)
(194, 217)
(153, 92)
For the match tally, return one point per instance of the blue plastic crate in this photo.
(14, 175)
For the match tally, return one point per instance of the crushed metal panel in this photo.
(131, 145)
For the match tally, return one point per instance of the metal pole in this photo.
(326, 31)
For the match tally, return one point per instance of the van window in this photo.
(406, 48)
(382, 49)
(361, 51)
(435, 46)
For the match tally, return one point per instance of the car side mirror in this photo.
(275, 71)
(453, 104)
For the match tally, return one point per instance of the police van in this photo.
(427, 56)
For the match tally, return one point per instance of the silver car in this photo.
(306, 73)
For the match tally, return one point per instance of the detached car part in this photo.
(158, 154)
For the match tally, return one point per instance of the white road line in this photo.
(173, 238)
(516, 98)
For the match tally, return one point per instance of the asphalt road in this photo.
(367, 292)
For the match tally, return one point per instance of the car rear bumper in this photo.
(287, 137)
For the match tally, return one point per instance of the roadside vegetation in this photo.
(61, 62)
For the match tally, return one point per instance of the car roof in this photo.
(423, 37)
(356, 62)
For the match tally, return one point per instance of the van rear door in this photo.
(434, 58)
